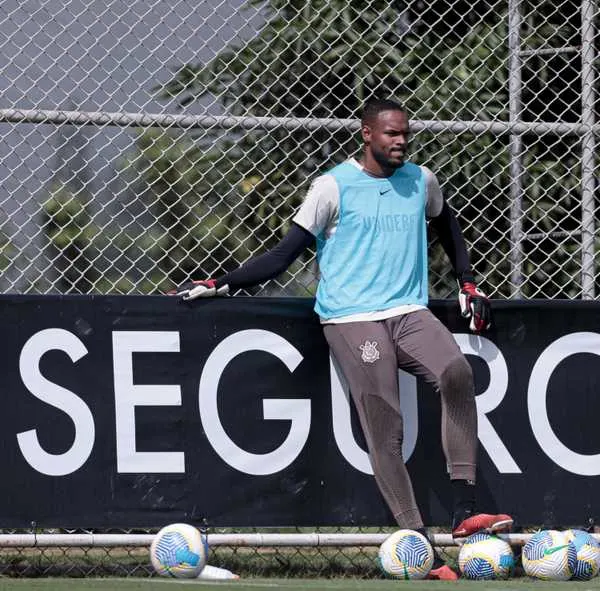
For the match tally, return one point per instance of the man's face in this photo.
(387, 138)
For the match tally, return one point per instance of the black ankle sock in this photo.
(464, 500)
(437, 561)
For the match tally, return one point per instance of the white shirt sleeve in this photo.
(319, 213)
(435, 199)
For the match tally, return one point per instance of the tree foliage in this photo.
(447, 59)
(218, 196)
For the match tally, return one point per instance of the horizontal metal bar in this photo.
(249, 540)
(502, 128)
(542, 235)
(103, 118)
(550, 50)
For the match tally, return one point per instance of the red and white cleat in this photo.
(492, 524)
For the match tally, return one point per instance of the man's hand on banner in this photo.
(474, 304)
(192, 290)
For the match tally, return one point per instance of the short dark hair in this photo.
(375, 106)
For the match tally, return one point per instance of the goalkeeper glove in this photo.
(475, 305)
(192, 290)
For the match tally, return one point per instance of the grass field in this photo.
(251, 584)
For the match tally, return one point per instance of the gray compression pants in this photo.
(369, 355)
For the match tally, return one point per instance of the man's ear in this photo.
(366, 133)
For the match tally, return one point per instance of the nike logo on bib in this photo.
(384, 191)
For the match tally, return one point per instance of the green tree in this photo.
(66, 221)
(88, 257)
(317, 59)
(68, 227)
(446, 58)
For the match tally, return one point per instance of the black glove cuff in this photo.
(466, 277)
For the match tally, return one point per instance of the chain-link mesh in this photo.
(77, 559)
(144, 142)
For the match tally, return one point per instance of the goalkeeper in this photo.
(368, 217)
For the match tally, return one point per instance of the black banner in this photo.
(132, 411)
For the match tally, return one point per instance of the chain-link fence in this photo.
(348, 552)
(143, 141)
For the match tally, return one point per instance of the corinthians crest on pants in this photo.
(370, 353)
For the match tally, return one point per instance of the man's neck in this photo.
(374, 169)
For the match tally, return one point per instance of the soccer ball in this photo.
(588, 554)
(485, 557)
(550, 556)
(179, 550)
(406, 554)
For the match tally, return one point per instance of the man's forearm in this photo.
(453, 242)
(270, 264)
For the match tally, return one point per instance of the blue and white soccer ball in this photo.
(484, 557)
(179, 550)
(406, 554)
(588, 554)
(549, 555)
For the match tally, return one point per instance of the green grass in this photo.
(256, 584)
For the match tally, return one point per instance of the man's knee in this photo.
(385, 425)
(457, 377)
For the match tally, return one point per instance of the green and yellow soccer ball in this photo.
(483, 557)
(406, 554)
(179, 550)
(549, 555)
(587, 547)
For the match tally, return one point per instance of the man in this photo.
(368, 217)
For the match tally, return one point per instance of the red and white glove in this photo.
(192, 290)
(474, 304)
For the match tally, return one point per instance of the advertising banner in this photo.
(137, 411)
